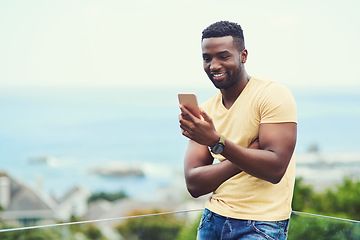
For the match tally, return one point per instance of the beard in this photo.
(224, 85)
(230, 81)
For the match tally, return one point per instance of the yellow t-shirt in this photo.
(244, 196)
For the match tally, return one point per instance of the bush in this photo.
(308, 227)
(159, 227)
(341, 201)
(189, 231)
(33, 234)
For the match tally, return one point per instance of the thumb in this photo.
(205, 116)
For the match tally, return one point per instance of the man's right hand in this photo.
(201, 131)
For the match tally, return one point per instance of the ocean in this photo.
(82, 129)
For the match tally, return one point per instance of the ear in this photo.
(243, 55)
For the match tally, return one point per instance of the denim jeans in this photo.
(216, 227)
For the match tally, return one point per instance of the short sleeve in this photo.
(277, 105)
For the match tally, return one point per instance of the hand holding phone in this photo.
(189, 101)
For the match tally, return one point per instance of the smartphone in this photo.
(189, 100)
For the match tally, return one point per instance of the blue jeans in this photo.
(216, 227)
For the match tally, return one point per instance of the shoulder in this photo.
(276, 87)
(263, 85)
(267, 90)
(276, 103)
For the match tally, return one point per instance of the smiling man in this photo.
(250, 127)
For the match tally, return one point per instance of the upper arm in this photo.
(278, 128)
(196, 156)
(279, 138)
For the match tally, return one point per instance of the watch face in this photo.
(217, 148)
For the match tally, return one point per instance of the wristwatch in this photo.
(218, 147)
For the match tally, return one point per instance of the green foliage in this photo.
(344, 200)
(341, 201)
(72, 232)
(93, 233)
(107, 196)
(308, 227)
(303, 196)
(160, 227)
(189, 231)
(34, 234)
(88, 230)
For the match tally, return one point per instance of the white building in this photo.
(24, 206)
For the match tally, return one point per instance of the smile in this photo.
(218, 75)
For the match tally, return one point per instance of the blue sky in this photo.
(304, 44)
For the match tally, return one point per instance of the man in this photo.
(250, 127)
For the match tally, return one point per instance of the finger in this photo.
(186, 113)
(185, 124)
(206, 117)
(186, 134)
(188, 126)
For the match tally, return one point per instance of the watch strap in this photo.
(222, 140)
(219, 146)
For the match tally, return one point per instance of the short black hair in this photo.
(223, 29)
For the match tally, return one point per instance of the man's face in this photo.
(222, 61)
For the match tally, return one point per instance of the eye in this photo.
(224, 58)
(206, 59)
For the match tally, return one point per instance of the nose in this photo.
(214, 65)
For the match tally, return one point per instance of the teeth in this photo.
(218, 74)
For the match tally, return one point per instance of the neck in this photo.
(231, 94)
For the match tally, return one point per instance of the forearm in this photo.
(270, 161)
(206, 179)
(259, 163)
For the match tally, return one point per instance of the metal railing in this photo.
(178, 225)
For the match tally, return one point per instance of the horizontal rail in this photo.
(153, 214)
(96, 220)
